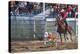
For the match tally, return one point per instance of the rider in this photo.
(63, 14)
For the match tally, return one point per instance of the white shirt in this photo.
(46, 34)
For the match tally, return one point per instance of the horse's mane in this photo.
(61, 25)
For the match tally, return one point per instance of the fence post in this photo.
(34, 28)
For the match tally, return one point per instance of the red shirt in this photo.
(69, 9)
(64, 15)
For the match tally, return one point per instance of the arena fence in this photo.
(27, 28)
(33, 28)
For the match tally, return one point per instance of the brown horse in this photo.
(63, 29)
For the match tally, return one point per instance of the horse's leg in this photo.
(65, 36)
(60, 37)
(70, 35)
(69, 31)
(66, 30)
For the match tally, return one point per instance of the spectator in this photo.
(76, 14)
(73, 12)
(64, 16)
(69, 10)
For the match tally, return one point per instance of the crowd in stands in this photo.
(71, 10)
(33, 8)
(25, 8)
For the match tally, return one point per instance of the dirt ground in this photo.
(32, 46)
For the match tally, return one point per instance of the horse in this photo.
(63, 29)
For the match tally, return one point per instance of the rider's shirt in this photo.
(64, 15)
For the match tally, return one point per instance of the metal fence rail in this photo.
(31, 28)
(26, 28)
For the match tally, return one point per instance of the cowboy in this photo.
(63, 17)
